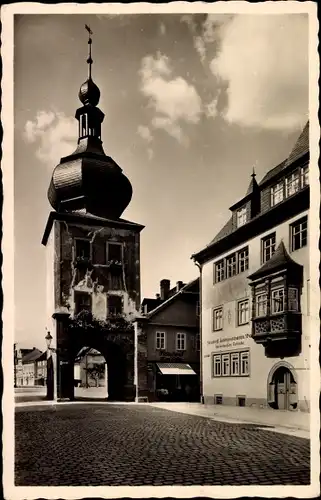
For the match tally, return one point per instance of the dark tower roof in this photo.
(279, 260)
(253, 184)
(88, 180)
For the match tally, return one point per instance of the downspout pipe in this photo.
(200, 329)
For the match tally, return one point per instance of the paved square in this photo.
(116, 445)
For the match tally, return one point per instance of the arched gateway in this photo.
(93, 259)
(282, 387)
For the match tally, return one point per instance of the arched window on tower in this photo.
(83, 125)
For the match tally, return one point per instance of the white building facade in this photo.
(255, 292)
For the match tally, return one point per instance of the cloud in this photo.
(264, 61)
(174, 100)
(145, 133)
(55, 134)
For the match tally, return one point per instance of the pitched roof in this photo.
(172, 298)
(279, 260)
(301, 146)
(32, 356)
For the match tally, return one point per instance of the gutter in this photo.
(200, 267)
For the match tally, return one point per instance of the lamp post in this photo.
(48, 339)
(50, 367)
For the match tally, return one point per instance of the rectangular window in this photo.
(293, 299)
(243, 260)
(267, 247)
(219, 271)
(261, 304)
(160, 340)
(292, 184)
(231, 266)
(277, 194)
(218, 319)
(299, 234)
(235, 363)
(114, 305)
(218, 399)
(82, 249)
(277, 297)
(225, 365)
(245, 363)
(180, 341)
(304, 176)
(243, 312)
(241, 217)
(82, 302)
(217, 366)
(114, 251)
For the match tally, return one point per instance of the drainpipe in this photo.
(200, 330)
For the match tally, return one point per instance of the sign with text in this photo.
(226, 342)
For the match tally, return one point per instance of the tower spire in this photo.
(89, 59)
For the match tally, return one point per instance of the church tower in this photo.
(93, 287)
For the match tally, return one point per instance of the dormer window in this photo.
(292, 184)
(277, 194)
(241, 217)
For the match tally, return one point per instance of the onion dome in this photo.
(89, 93)
(88, 180)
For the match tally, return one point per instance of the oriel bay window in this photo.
(276, 289)
(231, 364)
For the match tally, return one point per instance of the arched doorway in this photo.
(90, 375)
(282, 387)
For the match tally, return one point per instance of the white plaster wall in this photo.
(227, 293)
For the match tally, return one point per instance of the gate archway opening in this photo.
(90, 374)
(282, 387)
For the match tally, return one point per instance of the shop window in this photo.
(299, 234)
(267, 247)
(243, 312)
(217, 319)
(114, 305)
(217, 365)
(160, 340)
(235, 363)
(225, 365)
(82, 302)
(245, 363)
(218, 399)
(180, 341)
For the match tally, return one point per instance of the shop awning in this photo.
(175, 369)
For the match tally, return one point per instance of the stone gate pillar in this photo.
(65, 363)
(141, 358)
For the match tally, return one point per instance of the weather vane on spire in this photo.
(89, 60)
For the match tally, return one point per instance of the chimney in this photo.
(179, 285)
(157, 296)
(164, 289)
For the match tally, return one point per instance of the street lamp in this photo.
(48, 339)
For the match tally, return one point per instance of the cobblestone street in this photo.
(110, 444)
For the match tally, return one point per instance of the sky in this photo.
(192, 103)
